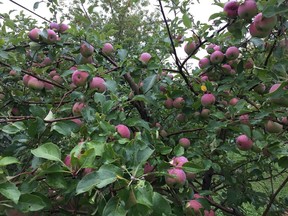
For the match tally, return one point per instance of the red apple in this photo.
(231, 9)
(98, 83)
(26, 78)
(226, 68)
(179, 161)
(260, 88)
(216, 57)
(67, 161)
(145, 57)
(63, 27)
(123, 131)
(34, 34)
(77, 108)
(264, 23)
(204, 62)
(86, 49)
(58, 79)
(208, 99)
(51, 37)
(79, 78)
(168, 103)
(244, 142)
(244, 119)
(209, 213)
(54, 26)
(181, 117)
(256, 33)
(194, 207)
(178, 102)
(178, 177)
(247, 10)
(232, 53)
(249, 64)
(233, 101)
(190, 47)
(205, 113)
(273, 127)
(36, 84)
(107, 49)
(185, 142)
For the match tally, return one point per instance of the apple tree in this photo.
(101, 115)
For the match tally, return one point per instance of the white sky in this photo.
(201, 12)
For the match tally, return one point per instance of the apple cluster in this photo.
(261, 26)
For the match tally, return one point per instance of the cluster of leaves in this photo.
(107, 173)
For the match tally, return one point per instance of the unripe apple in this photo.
(205, 113)
(226, 68)
(231, 9)
(247, 10)
(185, 142)
(58, 79)
(208, 100)
(204, 62)
(190, 47)
(46, 62)
(53, 73)
(34, 34)
(51, 37)
(244, 119)
(178, 177)
(217, 48)
(79, 78)
(63, 27)
(86, 49)
(15, 111)
(244, 142)
(84, 60)
(232, 53)
(2, 96)
(48, 86)
(26, 78)
(264, 23)
(216, 57)
(179, 161)
(210, 48)
(77, 108)
(77, 121)
(178, 102)
(163, 133)
(209, 213)
(281, 100)
(36, 84)
(249, 64)
(273, 127)
(181, 117)
(260, 88)
(168, 103)
(256, 33)
(12, 73)
(204, 78)
(98, 83)
(54, 26)
(233, 101)
(145, 57)
(284, 120)
(123, 131)
(107, 49)
(194, 207)
(67, 161)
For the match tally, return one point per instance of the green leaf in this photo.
(64, 128)
(114, 207)
(4, 54)
(30, 202)
(149, 82)
(136, 122)
(160, 205)
(187, 21)
(99, 98)
(122, 53)
(107, 174)
(10, 191)
(48, 151)
(140, 98)
(36, 5)
(14, 128)
(111, 85)
(8, 160)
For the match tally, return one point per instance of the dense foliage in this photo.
(96, 117)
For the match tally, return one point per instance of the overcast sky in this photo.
(200, 11)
